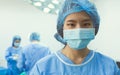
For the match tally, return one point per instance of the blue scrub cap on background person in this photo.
(34, 36)
(16, 37)
(72, 6)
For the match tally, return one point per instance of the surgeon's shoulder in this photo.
(46, 61)
(108, 63)
(26, 48)
(9, 48)
(103, 58)
(47, 58)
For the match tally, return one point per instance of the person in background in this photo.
(32, 53)
(78, 23)
(12, 55)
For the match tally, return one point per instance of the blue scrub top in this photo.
(11, 62)
(10, 52)
(30, 55)
(3, 71)
(58, 64)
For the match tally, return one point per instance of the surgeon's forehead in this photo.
(82, 16)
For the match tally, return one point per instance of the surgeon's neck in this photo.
(35, 42)
(77, 56)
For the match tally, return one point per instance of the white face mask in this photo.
(79, 38)
(17, 44)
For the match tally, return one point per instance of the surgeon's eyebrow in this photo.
(85, 20)
(71, 21)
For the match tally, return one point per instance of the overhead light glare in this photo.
(51, 6)
(46, 10)
(37, 4)
(55, 1)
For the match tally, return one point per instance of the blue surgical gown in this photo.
(58, 64)
(3, 71)
(11, 62)
(30, 55)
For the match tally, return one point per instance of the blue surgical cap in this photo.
(16, 37)
(73, 6)
(35, 36)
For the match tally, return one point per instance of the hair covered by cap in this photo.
(72, 6)
(34, 36)
(16, 37)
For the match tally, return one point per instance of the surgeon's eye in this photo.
(71, 25)
(87, 25)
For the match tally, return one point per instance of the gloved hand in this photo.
(15, 56)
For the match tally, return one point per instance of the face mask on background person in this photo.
(17, 44)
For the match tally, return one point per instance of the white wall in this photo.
(19, 17)
(108, 39)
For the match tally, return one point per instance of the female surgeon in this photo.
(12, 54)
(78, 23)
